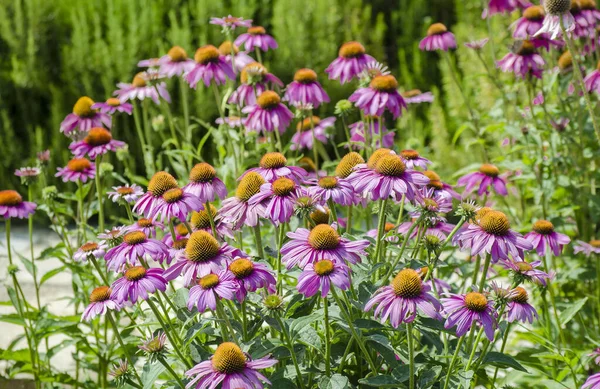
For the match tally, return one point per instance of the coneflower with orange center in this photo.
(210, 66)
(337, 189)
(381, 95)
(113, 105)
(83, 118)
(237, 210)
(305, 89)
(100, 302)
(523, 61)
(128, 193)
(13, 206)
(488, 176)
(142, 87)
(543, 237)
(351, 61)
(323, 275)
(160, 183)
(177, 204)
(268, 114)
(274, 165)
(97, 142)
(254, 80)
(204, 183)
(176, 62)
(89, 249)
(518, 307)
(279, 198)
(311, 129)
(77, 169)
(147, 226)
(438, 38)
(135, 245)
(201, 220)
(466, 310)
(137, 283)
(240, 58)
(256, 38)
(210, 288)
(250, 276)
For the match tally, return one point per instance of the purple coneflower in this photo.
(268, 114)
(176, 247)
(322, 242)
(583, 27)
(492, 235)
(592, 80)
(83, 118)
(13, 206)
(237, 209)
(153, 345)
(98, 141)
(413, 159)
(487, 176)
(441, 286)
(543, 236)
(279, 197)
(204, 294)
(436, 183)
(43, 157)
(590, 11)
(320, 275)
(274, 165)
(381, 93)
(254, 80)
(113, 105)
(205, 184)
(437, 227)
(147, 226)
(403, 298)
(528, 271)
(336, 189)
(100, 302)
(555, 11)
(386, 175)
(200, 220)
(250, 276)
(77, 169)
(89, 249)
(415, 96)
(141, 89)
(203, 255)
(112, 237)
(305, 89)
(519, 308)
(390, 232)
(256, 37)
(593, 247)
(210, 66)
(466, 309)
(530, 23)
(596, 355)
(175, 62)
(127, 193)
(309, 129)
(478, 44)
(149, 63)
(351, 61)
(135, 245)
(433, 202)
(136, 283)
(177, 203)
(375, 125)
(160, 183)
(231, 22)
(438, 38)
(240, 58)
(231, 367)
(504, 6)
(593, 382)
(523, 61)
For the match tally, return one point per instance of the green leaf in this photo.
(150, 374)
(336, 381)
(21, 355)
(382, 381)
(382, 345)
(181, 297)
(503, 360)
(309, 337)
(51, 274)
(569, 313)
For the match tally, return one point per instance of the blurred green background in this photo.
(54, 51)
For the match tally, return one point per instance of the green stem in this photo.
(290, 347)
(327, 338)
(118, 336)
(331, 206)
(211, 219)
(474, 348)
(486, 266)
(258, 241)
(453, 361)
(349, 220)
(402, 249)
(168, 333)
(34, 270)
(172, 372)
(504, 340)
(411, 355)
(280, 244)
(99, 193)
(380, 229)
(223, 316)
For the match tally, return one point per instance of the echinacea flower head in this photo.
(336, 189)
(527, 271)
(543, 237)
(390, 232)
(279, 197)
(596, 355)
(175, 62)
(202, 255)
(201, 220)
(274, 165)
(204, 183)
(83, 118)
(351, 61)
(230, 367)
(127, 193)
(231, 22)
(592, 80)
(121, 373)
(322, 242)
(154, 346)
(403, 298)
(438, 38)
(250, 276)
(177, 204)
(522, 61)
(436, 183)
(518, 307)
(100, 302)
(256, 38)
(43, 157)
(77, 169)
(147, 226)
(593, 382)
(387, 177)
(478, 44)
(210, 65)
(159, 184)
(113, 105)
(143, 86)
(415, 96)
(347, 164)
(309, 129)
(372, 70)
(268, 114)
(492, 235)
(89, 249)
(28, 175)
(488, 176)
(98, 141)
(240, 58)
(466, 310)
(306, 89)
(555, 11)
(433, 202)
(320, 275)
(237, 210)
(374, 127)
(381, 94)
(135, 245)
(593, 247)
(13, 206)
(413, 159)
(137, 282)
(530, 23)
(209, 288)
(499, 6)
(255, 79)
